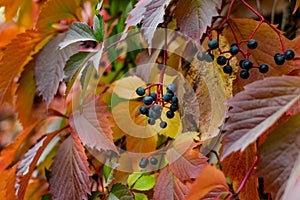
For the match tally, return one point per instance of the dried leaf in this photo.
(27, 165)
(49, 67)
(279, 158)
(194, 16)
(92, 125)
(70, 172)
(24, 46)
(169, 187)
(256, 109)
(185, 162)
(7, 183)
(209, 179)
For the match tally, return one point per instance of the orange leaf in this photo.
(17, 54)
(8, 34)
(36, 189)
(209, 179)
(7, 183)
(8, 154)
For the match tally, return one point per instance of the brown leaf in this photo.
(8, 154)
(7, 183)
(185, 160)
(256, 109)
(27, 165)
(268, 46)
(208, 180)
(194, 16)
(70, 172)
(296, 6)
(24, 46)
(169, 187)
(92, 125)
(279, 158)
(236, 165)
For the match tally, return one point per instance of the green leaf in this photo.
(86, 76)
(77, 32)
(120, 192)
(133, 178)
(140, 196)
(144, 183)
(98, 27)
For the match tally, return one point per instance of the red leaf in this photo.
(193, 17)
(208, 180)
(24, 46)
(92, 125)
(184, 161)
(279, 158)
(69, 171)
(27, 165)
(257, 108)
(169, 187)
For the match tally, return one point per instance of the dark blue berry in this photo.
(221, 60)
(252, 44)
(148, 100)
(143, 163)
(167, 97)
(227, 69)
(151, 121)
(171, 88)
(174, 107)
(144, 110)
(163, 124)
(140, 91)
(170, 114)
(153, 95)
(153, 160)
(234, 49)
(246, 64)
(263, 68)
(157, 108)
(279, 59)
(154, 114)
(174, 99)
(213, 44)
(289, 54)
(244, 74)
(241, 63)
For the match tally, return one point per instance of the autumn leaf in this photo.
(279, 158)
(194, 16)
(36, 189)
(296, 6)
(209, 179)
(49, 67)
(27, 165)
(25, 46)
(70, 171)
(169, 187)
(7, 155)
(264, 53)
(125, 87)
(185, 162)
(256, 109)
(90, 122)
(7, 183)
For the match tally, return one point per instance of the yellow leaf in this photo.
(125, 87)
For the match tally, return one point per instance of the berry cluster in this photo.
(156, 101)
(144, 162)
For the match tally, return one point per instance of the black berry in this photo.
(263, 68)
(289, 54)
(148, 100)
(163, 124)
(234, 49)
(252, 44)
(153, 160)
(153, 95)
(151, 121)
(144, 110)
(140, 91)
(244, 74)
(143, 163)
(227, 69)
(279, 59)
(170, 114)
(167, 97)
(246, 64)
(174, 107)
(213, 44)
(221, 60)
(174, 99)
(171, 88)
